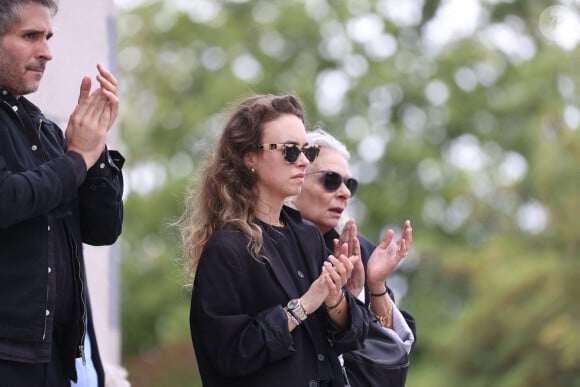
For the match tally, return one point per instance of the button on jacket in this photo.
(49, 206)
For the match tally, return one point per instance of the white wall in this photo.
(84, 35)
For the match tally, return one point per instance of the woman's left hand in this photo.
(387, 256)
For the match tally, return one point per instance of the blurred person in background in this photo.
(269, 306)
(326, 192)
(56, 193)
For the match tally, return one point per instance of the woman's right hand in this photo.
(339, 270)
(356, 282)
(328, 286)
(316, 294)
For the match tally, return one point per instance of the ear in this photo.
(250, 160)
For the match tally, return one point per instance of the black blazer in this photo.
(238, 325)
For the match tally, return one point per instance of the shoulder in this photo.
(224, 256)
(306, 232)
(228, 238)
(224, 259)
(227, 242)
(294, 218)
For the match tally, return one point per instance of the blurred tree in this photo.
(461, 116)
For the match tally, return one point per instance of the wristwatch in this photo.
(295, 308)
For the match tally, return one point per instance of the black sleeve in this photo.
(101, 200)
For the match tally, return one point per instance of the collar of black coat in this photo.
(9, 98)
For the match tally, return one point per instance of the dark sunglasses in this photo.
(292, 151)
(332, 181)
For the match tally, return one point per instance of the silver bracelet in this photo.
(292, 317)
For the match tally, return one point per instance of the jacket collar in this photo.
(9, 99)
(302, 232)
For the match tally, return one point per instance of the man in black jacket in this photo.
(56, 193)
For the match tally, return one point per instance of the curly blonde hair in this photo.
(227, 192)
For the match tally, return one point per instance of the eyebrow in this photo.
(290, 142)
(33, 31)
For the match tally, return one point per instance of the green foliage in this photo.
(464, 139)
(169, 364)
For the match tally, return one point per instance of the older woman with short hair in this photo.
(326, 192)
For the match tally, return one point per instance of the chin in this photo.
(292, 193)
(29, 89)
(34, 87)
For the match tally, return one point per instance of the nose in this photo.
(302, 159)
(343, 191)
(44, 51)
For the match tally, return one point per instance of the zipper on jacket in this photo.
(46, 159)
(82, 351)
(84, 306)
(45, 316)
(40, 145)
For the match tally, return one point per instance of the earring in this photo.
(253, 170)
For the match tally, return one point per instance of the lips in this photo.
(336, 210)
(39, 68)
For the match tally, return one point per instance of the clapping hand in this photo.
(93, 117)
(387, 256)
(328, 286)
(348, 236)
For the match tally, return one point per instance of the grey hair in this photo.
(10, 11)
(326, 140)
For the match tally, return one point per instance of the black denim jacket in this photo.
(49, 203)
